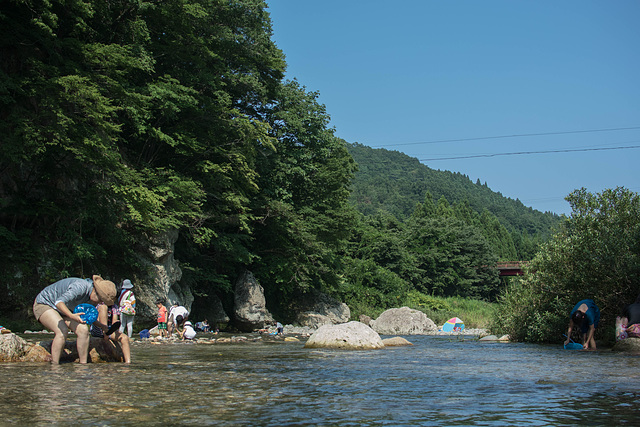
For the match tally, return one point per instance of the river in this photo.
(439, 381)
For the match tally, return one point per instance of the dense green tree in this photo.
(222, 52)
(67, 197)
(452, 256)
(301, 214)
(381, 239)
(124, 119)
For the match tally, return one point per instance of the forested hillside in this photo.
(393, 182)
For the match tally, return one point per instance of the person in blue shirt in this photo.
(586, 316)
(53, 308)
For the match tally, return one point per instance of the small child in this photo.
(162, 318)
(189, 333)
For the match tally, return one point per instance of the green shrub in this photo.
(595, 255)
(419, 301)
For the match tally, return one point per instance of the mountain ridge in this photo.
(394, 182)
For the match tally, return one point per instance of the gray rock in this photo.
(250, 311)
(404, 321)
(631, 345)
(317, 309)
(365, 319)
(346, 336)
(162, 283)
(213, 311)
(395, 342)
(300, 330)
(12, 348)
(100, 350)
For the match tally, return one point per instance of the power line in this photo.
(530, 152)
(506, 136)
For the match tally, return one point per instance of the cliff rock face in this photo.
(250, 310)
(164, 275)
(210, 307)
(318, 309)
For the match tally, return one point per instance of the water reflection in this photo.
(435, 382)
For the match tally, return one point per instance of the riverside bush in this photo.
(595, 254)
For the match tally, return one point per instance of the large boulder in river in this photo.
(12, 348)
(365, 319)
(250, 310)
(631, 345)
(346, 336)
(15, 349)
(403, 321)
(317, 309)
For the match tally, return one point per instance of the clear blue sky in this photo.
(401, 75)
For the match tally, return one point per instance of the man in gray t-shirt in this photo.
(54, 304)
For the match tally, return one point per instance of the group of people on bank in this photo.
(586, 316)
(175, 320)
(53, 308)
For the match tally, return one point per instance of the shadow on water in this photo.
(438, 381)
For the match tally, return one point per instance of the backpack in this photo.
(127, 303)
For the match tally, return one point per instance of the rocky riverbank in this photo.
(331, 334)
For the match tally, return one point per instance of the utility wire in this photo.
(506, 136)
(530, 152)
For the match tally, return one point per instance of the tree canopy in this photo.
(125, 119)
(122, 119)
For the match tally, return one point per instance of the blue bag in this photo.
(145, 333)
(90, 313)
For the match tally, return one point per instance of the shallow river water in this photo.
(438, 381)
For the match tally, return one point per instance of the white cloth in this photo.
(177, 311)
(189, 332)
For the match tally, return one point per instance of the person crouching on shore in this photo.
(586, 316)
(53, 308)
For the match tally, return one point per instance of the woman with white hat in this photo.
(127, 304)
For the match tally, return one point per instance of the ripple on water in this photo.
(434, 382)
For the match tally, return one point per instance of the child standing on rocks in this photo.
(162, 318)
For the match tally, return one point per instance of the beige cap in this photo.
(105, 289)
